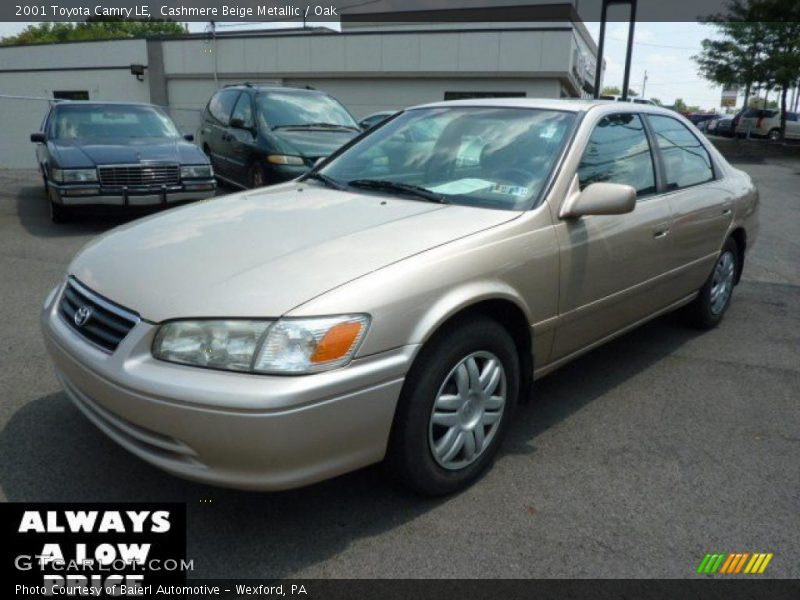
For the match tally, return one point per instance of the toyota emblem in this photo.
(82, 315)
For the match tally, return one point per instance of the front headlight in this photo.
(197, 172)
(285, 159)
(286, 346)
(74, 175)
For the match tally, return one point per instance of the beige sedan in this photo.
(398, 301)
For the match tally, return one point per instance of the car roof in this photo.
(575, 105)
(267, 87)
(101, 103)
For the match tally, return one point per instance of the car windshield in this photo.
(477, 156)
(286, 109)
(110, 121)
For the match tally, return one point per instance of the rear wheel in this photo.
(455, 407)
(774, 135)
(710, 305)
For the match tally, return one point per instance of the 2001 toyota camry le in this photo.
(398, 300)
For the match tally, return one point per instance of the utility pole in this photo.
(644, 85)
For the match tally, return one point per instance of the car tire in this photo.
(774, 135)
(256, 177)
(433, 405)
(708, 309)
(59, 213)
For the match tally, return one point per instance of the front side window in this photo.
(221, 105)
(300, 109)
(618, 152)
(478, 156)
(244, 110)
(686, 161)
(110, 121)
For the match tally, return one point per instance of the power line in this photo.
(656, 45)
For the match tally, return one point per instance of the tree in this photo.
(737, 59)
(759, 46)
(98, 28)
(611, 90)
(679, 105)
(782, 18)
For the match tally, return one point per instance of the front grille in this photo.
(139, 175)
(100, 321)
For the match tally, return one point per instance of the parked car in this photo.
(722, 127)
(259, 135)
(392, 304)
(767, 123)
(117, 154)
(701, 120)
(375, 118)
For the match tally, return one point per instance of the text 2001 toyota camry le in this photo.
(398, 301)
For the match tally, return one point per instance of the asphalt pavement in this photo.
(633, 461)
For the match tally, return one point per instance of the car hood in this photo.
(262, 253)
(312, 143)
(78, 153)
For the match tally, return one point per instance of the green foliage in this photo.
(93, 29)
(758, 46)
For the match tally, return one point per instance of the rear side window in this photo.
(221, 105)
(686, 161)
(618, 152)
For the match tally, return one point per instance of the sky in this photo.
(664, 50)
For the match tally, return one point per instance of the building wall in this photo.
(31, 72)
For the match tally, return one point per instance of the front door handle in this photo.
(660, 231)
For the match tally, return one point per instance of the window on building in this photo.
(686, 161)
(470, 95)
(71, 95)
(618, 152)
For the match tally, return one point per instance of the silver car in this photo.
(398, 301)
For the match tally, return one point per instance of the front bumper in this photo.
(95, 194)
(230, 429)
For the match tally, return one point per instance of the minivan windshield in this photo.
(479, 156)
(300, 109)
(72, 121)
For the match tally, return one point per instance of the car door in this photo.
(215, 130)
(702, 205)
(610, 265)
(792, 125)
(240, 140)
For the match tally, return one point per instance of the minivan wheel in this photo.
(710, 305)
(774, 134)
(455, 407)
(257, 179)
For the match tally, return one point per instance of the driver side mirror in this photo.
(600, 199)
(38, 138)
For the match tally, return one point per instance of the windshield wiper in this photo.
(396, 186)
(317, 125)
(329, 181)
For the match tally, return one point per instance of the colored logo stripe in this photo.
(734, 563)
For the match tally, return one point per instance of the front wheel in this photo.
(256, 178)
(774, 135)
(59, 213)
(455, 407)
(711, 304)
